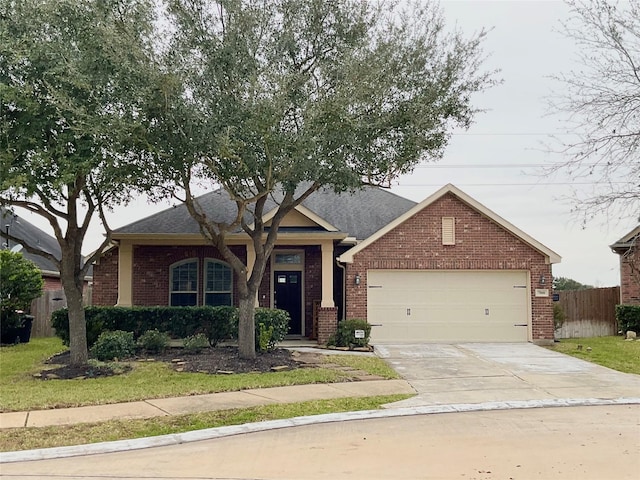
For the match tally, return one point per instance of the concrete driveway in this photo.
(497, 372)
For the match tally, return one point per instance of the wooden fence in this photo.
(43, 307)
(589, 313)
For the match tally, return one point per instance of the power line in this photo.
(495, 165)
(534, 184)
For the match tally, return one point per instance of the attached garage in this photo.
(448, 306)
(451, 270)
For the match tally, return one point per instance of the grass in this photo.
(19, 390)
(612, 352)
(44, 437)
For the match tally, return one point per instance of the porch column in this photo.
(327, 274)
(251, 260)
(125, 274)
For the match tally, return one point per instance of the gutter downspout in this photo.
(344, 287)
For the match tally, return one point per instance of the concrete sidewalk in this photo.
(203, 403)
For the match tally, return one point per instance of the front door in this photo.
(288, 296)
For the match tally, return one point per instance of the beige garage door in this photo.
(448, 306)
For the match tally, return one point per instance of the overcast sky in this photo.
(526, 46)
(495, 161)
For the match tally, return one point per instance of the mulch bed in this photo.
(219, 360)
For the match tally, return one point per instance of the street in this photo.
(588, 442)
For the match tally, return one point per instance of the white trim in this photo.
(551, 256)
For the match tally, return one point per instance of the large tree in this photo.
(601, 100)
(280, 98)
(70, 122)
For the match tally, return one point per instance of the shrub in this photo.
(113, 344)
(195, 343)
(345, 336)
(628, 317)
(272, 325)
(218, 323)
(558, 316)
(154, 341)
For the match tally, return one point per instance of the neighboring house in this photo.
(18, 227)
(446, 269)
(629, 267)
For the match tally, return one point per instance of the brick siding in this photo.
(629, 286)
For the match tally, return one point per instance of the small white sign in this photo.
(359, 333)
(542, 292)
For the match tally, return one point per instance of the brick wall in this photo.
(480, 244)
(629, 285)
(51, 283)
(105, 279)
(151, 270)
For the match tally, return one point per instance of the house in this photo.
(445, 269)
(629, 267)
(19, 227)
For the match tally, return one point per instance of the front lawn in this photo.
(58, 436)
(20, 390)
(613, 352)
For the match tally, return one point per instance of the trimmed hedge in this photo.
(628, 318)
(217, 323)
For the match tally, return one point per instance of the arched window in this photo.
(184, 283)
(218, 284)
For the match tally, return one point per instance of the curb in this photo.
(220, 432)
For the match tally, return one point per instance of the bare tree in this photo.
(602, 99)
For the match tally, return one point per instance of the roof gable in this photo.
(550, 255)
(627, 241)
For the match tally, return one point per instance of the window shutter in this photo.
(448, 231)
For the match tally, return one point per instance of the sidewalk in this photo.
(203, 403)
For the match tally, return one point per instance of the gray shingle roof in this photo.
(358, 214)
(21, 228)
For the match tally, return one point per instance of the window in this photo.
(184, 283)
(288, 258)
(217, 283)
(448, 231)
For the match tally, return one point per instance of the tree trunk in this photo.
(73, 289)
(246, 326)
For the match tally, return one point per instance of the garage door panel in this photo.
(448, 306)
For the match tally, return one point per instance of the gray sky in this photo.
(525, 46)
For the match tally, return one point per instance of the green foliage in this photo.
(154, 341)
(628, 318)
(292, 97)
(264, 337)
(272, 325)
(217, 323)
(563, 283)
(345, 336)
(20, 282)
(74, 82)
(558, 316)
(195, 343)
(112, 345)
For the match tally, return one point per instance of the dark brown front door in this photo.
(288, 296)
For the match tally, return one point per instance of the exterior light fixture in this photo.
(543, 280)
(357, 279)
